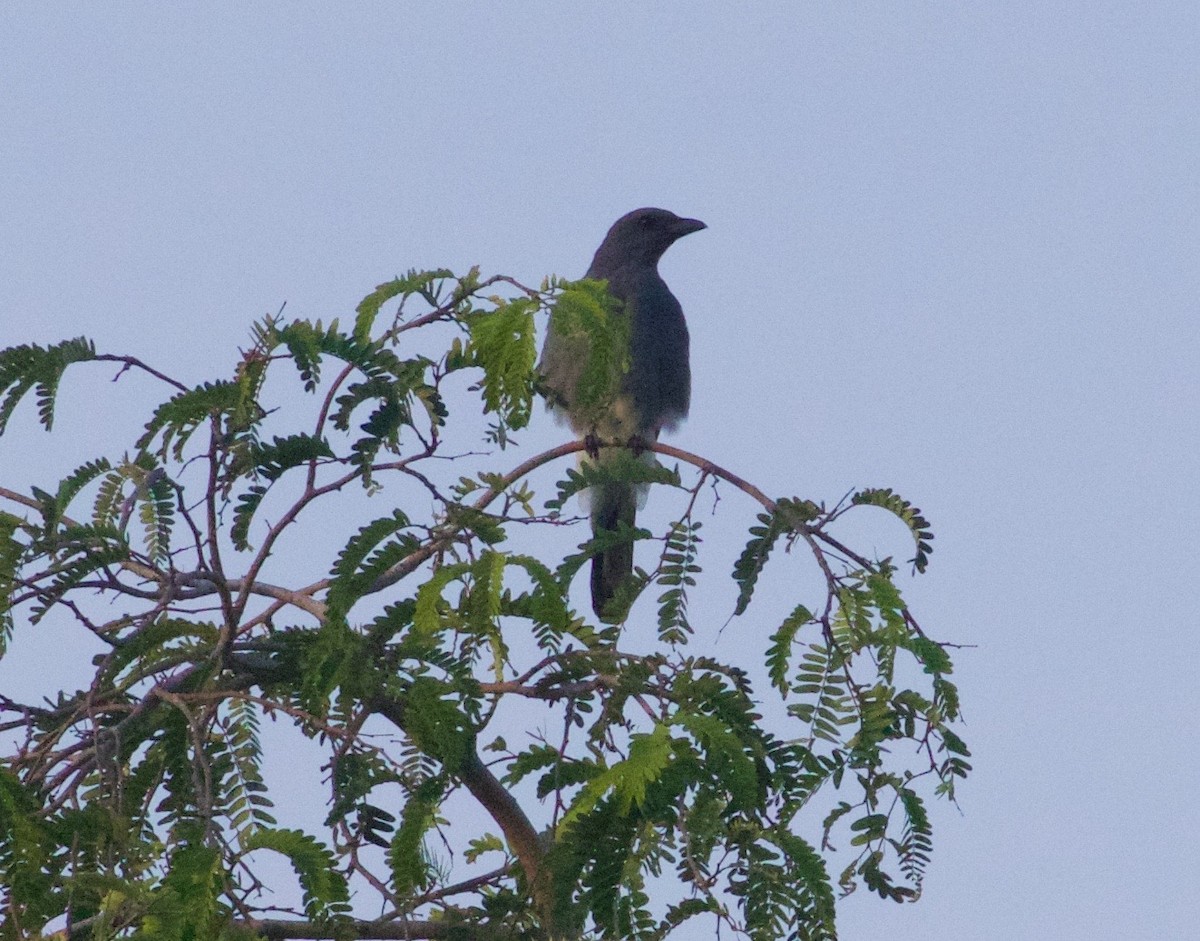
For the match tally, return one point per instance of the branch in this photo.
(277, 928)
(304, 598)
(205, 583)
(129, 362)
(409, 564)
(407, 930)
(523, 839)
(549, 693)
(716, 470)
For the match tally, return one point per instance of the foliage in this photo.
(660, 789)
(594, 339)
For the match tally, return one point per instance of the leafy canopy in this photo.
(641, 790)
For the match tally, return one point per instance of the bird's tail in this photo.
(613, 503)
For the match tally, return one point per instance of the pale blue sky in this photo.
(952, 249)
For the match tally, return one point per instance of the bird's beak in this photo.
(684, 227)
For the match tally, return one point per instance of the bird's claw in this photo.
(591, 444)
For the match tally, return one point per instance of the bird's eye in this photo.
(645, 222)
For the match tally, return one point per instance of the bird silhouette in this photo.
(655, 389)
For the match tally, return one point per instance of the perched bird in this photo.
(656, 387)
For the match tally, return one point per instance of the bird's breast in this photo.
(659, 380)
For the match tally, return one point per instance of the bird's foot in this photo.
(591, 444)
(638, 445)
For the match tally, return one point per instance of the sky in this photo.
(952, 249)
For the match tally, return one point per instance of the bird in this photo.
(655, 390)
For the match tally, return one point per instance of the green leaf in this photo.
(179, 417)
(423, 283)
(628, 779)
(326, 895)
(28, 870)
(907, 513)
(504, 345)
(932, 655)
(77, 480)
(678, 570)
(156, 509)
(12, 556)
(80, 552)
(154, 638)
(754, 557)
(488, 843)
(427, 617)
(436, 724)
(725, 758)
(39, 368)
(364, 560)
(779, 653)
(588, 342)
(188, 904)
(406, 856)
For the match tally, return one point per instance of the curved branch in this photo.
(304, 598)
(522, 837)
(410, 563)
(716, 470)
(404, 930)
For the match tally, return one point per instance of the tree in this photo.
(660, 787)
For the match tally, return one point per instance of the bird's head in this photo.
(641, 237)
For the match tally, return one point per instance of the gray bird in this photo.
(654, 391)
